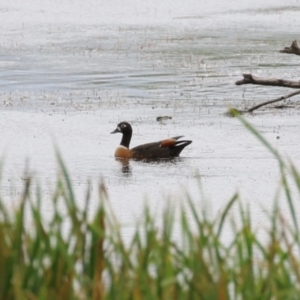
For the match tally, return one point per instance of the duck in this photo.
(166, 148)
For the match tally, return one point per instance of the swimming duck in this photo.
(167, 148)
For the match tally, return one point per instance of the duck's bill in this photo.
(116, 130)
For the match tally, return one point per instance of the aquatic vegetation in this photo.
(71, 255)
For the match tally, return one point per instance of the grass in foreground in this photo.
(91, 260)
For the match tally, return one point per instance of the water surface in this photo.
(70, 71)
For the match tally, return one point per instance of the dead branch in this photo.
(293, 49)
(251, 79)
(273, 101)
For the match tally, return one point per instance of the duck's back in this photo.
(151, 151)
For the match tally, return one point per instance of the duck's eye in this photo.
(123, 125)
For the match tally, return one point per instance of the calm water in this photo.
(71, 71)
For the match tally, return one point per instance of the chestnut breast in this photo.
(123, 152)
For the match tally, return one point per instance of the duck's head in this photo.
(124, 128)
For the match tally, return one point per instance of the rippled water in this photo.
(70, 72)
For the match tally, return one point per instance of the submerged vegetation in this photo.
(74, 256)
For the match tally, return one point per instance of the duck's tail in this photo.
(178, 147)
(174, 145)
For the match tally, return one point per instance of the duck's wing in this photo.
(177, 137)
(163, 149)
(150, 150)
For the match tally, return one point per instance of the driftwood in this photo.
(273, 101)
(249, 78)
(293, 49)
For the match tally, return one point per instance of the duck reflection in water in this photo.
(126, 168)
(125, 165)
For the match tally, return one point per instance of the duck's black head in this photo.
(126, 129)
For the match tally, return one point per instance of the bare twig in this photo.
(273, 101)
(251, 79)
(293, 49)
